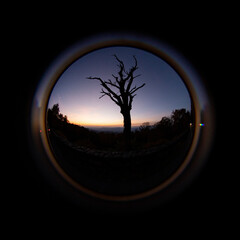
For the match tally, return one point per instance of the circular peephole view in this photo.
(120, 121)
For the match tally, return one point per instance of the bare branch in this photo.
(104, 84)
(137, 76)
(104, 93)
(135, 67)
(121, 66)
(133, 90)
(131, 80)
(95, 78)
(116, 78)
(112, 98)
(130, 74)
(121, 62)
(112, 84)
(135, 61)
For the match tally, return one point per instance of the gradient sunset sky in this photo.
(78, 97)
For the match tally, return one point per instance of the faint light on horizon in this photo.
(110, 124)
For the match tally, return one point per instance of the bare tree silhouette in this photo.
(124, 92)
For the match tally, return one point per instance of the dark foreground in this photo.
(125, 173)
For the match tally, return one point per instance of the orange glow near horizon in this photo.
(103, 124)
(97, 124)
(88, 117)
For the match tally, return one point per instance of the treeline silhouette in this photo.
(164, 131)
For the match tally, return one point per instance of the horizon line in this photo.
(109, 125)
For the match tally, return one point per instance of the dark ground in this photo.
(122, 175)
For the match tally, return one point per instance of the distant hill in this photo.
(103, 137)
(110, 129)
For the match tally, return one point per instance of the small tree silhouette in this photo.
(124, 93)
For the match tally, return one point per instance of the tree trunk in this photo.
(127, 129)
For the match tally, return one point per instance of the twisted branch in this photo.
(126, 96)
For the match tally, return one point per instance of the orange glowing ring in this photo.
(204, 113)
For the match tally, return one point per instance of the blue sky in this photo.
(78, 97)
